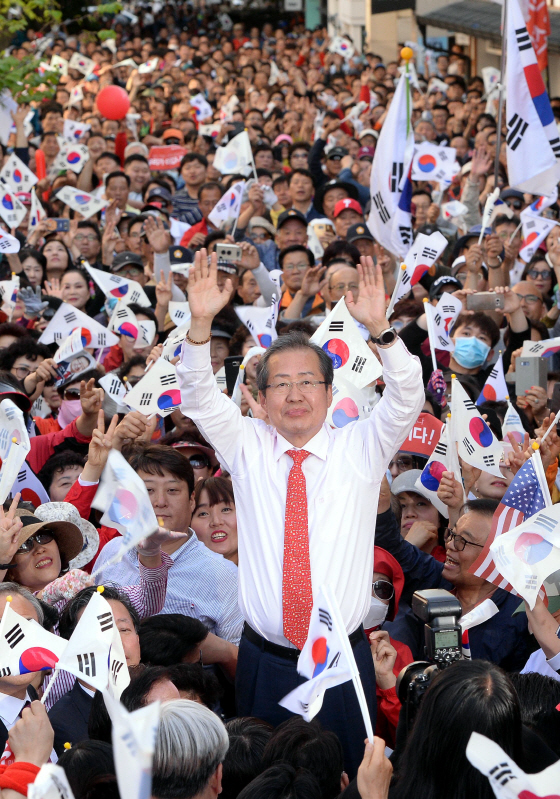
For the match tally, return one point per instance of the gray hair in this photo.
(16, 588)
(191, 743)
(296, 340)
(136, 147)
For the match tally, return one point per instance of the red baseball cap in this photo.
(348, 204)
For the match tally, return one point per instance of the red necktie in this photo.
(297, 594)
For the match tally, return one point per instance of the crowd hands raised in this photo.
(299, 243)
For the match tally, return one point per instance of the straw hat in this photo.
(64, 512)
(68, 536)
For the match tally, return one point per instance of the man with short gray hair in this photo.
(191, 744)
(306, 494)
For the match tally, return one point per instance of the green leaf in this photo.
(104, 35)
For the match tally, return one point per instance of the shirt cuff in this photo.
(554, 662)
(396, 357)
(86, 483)
(195, 357)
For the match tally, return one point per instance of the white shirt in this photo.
(539, 664)
(343, 474)
(10, 708)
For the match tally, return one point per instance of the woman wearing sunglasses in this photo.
(389, 656)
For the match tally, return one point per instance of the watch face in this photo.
(387, 336)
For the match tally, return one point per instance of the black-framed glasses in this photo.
(534, 274)
(459, 542)
(383, 589)
(37, 539)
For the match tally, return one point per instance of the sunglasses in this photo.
(404, 462)
(37, 539)
(71, 394)
(199, 462)
(383, 589)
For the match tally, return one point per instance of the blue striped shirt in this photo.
(200, 584)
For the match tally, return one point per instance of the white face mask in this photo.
(376, 614)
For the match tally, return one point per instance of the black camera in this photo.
(440, 611)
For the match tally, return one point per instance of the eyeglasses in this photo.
(343, 286)
(199, 462)
(535, 274)
(22, 371)
(515, 204)
(259, 236)
(79, 237)
(529, 297)
(37, 539)
(71, 394)
(293, 267)
(459, 542)
(383, 589)
(305, 386)
(131, 273)
(404, 462)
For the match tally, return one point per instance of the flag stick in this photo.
(554, 423)
(501, 93)
(511, 238)
(430, 332)
(49, 686)
(396, 291)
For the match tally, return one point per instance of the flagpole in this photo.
(501, 93)
(49, 686)
(430, 333)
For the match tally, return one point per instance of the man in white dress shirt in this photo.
(306, 495)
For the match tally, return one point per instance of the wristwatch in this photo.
(385, 338)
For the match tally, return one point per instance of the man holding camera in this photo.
(501, 639)
(305, 494)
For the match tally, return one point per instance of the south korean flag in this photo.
(25, 646)
(157, 392)
(95, 653)
(476, 443)
(340, 338)
(18, 176)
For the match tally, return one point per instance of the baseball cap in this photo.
(508, 194)
(196, 447)
(406, 481)
(337, 153)
(436, 289)
(366, 153)
(180, 255)
(349, 188)
(368, 132)
(357, 232)
(219, 333)
(292, 213)
(159, 194)
(173, 133)
(348, 204)
(125, 259)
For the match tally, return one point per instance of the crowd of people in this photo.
(261, 496)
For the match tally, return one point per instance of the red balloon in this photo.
(113, 102)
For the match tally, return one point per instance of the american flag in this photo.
(527, 494)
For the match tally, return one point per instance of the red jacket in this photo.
(113, 359)
(200, 227)
(388, 704)
(42, 447)
(81, 498)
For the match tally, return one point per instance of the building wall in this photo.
(347, 17)
(385, 31)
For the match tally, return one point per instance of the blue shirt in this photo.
(200, 584)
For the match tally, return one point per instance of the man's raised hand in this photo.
(206, 298)
(370, 306)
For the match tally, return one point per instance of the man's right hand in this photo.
(250, 258)
(31, 738)
(206, 298)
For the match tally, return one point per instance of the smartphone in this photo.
(530, 371)
(555, 401)
(231, 366)
(485, 301)
(58, 224)
(228, 252)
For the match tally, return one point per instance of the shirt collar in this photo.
(10, 708)
(318, 445)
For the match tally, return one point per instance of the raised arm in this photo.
(217, 417)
